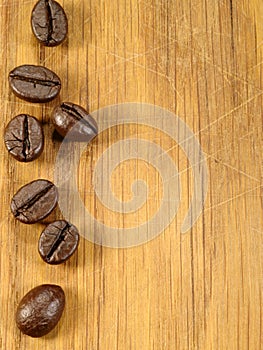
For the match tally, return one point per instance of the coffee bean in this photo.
(70, 116)
(24, 138)
(34, 83)
(58, 242)
(49, 22)
(34, 201)
(40, 310)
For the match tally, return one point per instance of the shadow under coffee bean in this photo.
(34, 201)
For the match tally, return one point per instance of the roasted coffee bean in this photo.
(34, 201)
(49, 22)
(24, 138)
(58, 242)
(40, 310)
(34, 83)
(70, 116)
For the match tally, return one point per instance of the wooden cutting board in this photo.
(201, 60)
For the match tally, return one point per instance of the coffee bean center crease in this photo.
(26, 141)
(35, 81)
(50, 21)
(59, 240)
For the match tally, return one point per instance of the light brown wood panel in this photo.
(200, 59)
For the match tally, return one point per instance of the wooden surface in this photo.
(201, 59)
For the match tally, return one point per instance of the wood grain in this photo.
(202, 60)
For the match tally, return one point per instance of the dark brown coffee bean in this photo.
(24, 138)
(70, 116)
(58, 242)
(40, 310)
(49, 22)
(34, 83)
(34, 201)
